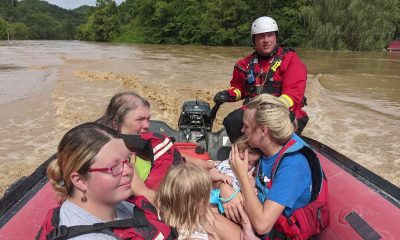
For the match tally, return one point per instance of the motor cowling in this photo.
(195, 117)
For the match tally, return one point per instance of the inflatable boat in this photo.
(363, 205)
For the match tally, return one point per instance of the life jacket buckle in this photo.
(291, 220)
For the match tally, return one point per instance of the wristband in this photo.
(224, 200)
(217, 200)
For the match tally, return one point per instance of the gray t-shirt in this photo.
(72, 215)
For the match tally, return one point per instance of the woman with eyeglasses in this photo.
(92, 179)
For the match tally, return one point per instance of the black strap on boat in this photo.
(362, 227)
(63, 232)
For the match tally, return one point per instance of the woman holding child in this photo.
(283, 176)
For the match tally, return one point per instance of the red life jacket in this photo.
(283, 74)
(311, 219)
(159, 150)
(143, 225)
(257, 81)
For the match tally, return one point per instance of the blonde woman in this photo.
(92, 179)
(183, 201)
(284, 174)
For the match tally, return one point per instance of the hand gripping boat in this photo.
(363, 205)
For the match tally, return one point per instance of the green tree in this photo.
(59, 23)
(210, 22)
(226, 22)
(42, 26)
(126, 12)
(103, 3)
(3, 29)
(102, 25)
(350, 24)
(19, 31)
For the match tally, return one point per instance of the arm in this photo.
(224, 228)
(262, 216)
(219, 177)
(236, 91)
(206, 164)
(234, 207)
(158, 172)
(237, 82)
(294, 78)
(247, 230)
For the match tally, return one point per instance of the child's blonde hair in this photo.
(183, 199)
(243, 143)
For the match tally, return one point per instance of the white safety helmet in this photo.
(263, 25)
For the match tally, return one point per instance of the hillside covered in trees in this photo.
(324, 24)
(35, 19)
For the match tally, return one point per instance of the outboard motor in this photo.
(194, 120)
(194, 116)
(195, 127)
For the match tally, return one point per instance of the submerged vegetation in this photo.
(324, 24)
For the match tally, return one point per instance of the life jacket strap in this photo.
(268, 84)
(63, 232)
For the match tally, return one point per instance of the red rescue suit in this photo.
(159, 150)
(288, 79)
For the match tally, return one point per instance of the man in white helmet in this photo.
(270, 69)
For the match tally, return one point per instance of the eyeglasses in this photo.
(114, 170)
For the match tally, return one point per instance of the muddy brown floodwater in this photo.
(47, 87)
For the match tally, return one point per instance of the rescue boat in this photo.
(363, 205)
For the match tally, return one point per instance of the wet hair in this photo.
(183, 198)
(273, 114)
(119, 107)
(76, 153)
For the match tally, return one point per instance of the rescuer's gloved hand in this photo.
(221, 97)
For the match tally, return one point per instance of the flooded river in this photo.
(46, 87)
